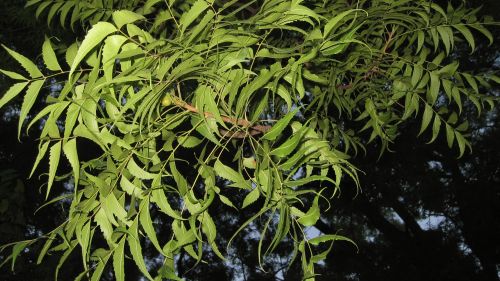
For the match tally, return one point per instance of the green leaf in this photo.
(147, 224)
(329, 237)
(17, 249)
(136, 250)
(103, 222)
(434, 87)
(119, 260)
(193, 13)
(41, 153)
(28, 102)
(251, 197)
(13, 91)
(435, 128)
(332, 23)
(26, 63)
(49, 56)
(158, 197)
(123, 17)
(208, 227)
(189, 141)
(278, 128)
(94, 37)
(138, 172)
(12, 75)
(230, 174)
(312, 216)
(288, 146)
(71, 153)
(55, 154)
(426, 118)
(467, 35)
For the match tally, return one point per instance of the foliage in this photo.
(190, 101)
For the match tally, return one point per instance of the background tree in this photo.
(160, 92)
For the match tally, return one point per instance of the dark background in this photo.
(422, 214)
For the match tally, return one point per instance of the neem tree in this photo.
(187, 101)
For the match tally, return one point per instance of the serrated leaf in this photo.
(94, 37)
(330, 25)
(467, 35)
(28, 102)
(136, 250)
(278, 128)
(54, 156)
(251, 197)
(138, 172)
(147, 224)
(123, 17)
(450, 135)
(49, 56)
(189, 141)
(434, 87)
(71, 153)
(158, 197)
(329, 237)
(119, 260)
(17, 249)
(435, 128)
(193, 13)
(226, 201)
(26, 63)
(426, 118)
(208, 227)
(230, 174)
(12, 92)
(12, 75)
(312, 215)
(288, 146)
(104, 224)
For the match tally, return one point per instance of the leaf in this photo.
(13, 91)
(335, 20)
(278, 128)
(426, 118)
(251, 197)
(158, 197)
(434, 87)
(189, 141)
(41, 153)
(26, 63)
(95, 35)
(288, 146)
(55, 154)
(193, 13)
(435, 128)
(467, 35)
(49, 56)
(17, 249)
(12, 75)
(101, 264)
(123, 17)
(312, 216)
(28, 102)
(71, 153)
(136, 250)
(329, 237)
(119, 260)
(103, 222)
(230, 174)
(208, 227)
(138, 172)
(147, 224)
